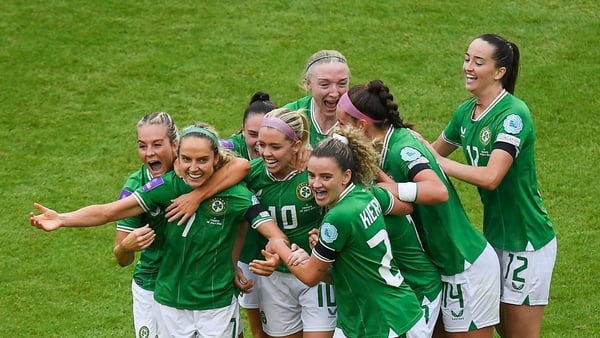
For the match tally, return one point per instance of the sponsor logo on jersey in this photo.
(484, 135)
(124, 193)
(458, 314)
(517, 287)
(155, 182)
(217, 206)
(329, 233)
(513, 124)
(409, 154)
(303, 192)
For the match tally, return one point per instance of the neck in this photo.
(325, 121)
(484, 99)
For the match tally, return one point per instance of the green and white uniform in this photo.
(146, 269)
(196, 270)
(291, 202)
(307, 103)
(448, 235)
(513, 215)
(459, 251)
(415, 265)
(373, 298)
(254, 241)
(237, 143)
(514, 218)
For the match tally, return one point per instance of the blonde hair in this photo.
(322, 56)
(350, 149)
(161, 118)
(295, 119)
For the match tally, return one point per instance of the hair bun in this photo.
(260, 96)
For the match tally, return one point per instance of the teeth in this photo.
(195, 177)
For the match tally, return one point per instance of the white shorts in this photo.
(289, 306)
(249, 300)
(471, 299)
(222, 322)
(526, 275)
(144, 312)
(431, 311)
(419, 330)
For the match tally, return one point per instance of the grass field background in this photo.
(77, 75)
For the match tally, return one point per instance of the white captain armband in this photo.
(407, 191)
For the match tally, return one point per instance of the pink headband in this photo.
(349, 108)
(278, 124)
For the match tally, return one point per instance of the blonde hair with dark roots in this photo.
(164, 119)
(357, 154)
(295, 119)
(225, 155)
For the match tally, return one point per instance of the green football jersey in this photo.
(290, 201)
(307, 103)
(237, 143)
(514, 217)
(448, 235)
(415, 265)
(146, 269)
(254, 241)
(197, 270)
(372, 298)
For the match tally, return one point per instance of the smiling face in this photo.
(327, 180)
(197, 159)
(327, 82)
(250, 131)
(155, 149)
(480, 69)
(277, 151)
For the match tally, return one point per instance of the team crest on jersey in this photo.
(484, 135)
(409, 154)
(513, 124)
(217, 206)
(329, 233)
(303, 192)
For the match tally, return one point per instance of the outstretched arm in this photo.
(92, 215)
(184, 206)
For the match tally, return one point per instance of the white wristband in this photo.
(407, 191)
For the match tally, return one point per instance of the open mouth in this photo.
(155, 166)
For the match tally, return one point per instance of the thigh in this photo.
(144, 312)
(280, 307)
(221, 322)
(249, 300)
(472, 298)
(526, 275)
(319, 310)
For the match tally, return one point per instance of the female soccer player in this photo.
(289, 307)
(467, 263)
(495, 131)
(194, 289)
(326, 76)
(244, 145)
(373, 299)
